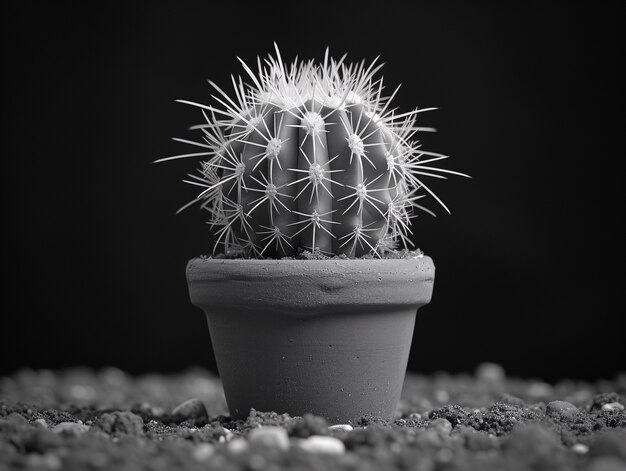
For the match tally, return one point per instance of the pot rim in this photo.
(314, 286)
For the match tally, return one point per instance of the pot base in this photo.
(340, 367)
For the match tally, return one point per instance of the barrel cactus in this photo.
(311, 156)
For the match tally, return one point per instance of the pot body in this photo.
(328, 337)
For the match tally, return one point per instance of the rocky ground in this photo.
(80, 419)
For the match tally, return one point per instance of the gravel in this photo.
(107, 420)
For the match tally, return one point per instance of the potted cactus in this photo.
(312, 158)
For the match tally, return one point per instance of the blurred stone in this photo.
(442, 396)
(114, 376)
(534, 446)
(490, 373)
(606, 463)
(237, 446)
(45, 461)
(609, 443)
(444, 455)
(203, 451)
(70, 428)
(81, 392)
(429, 439)
(257, 462)
(475, 440)
(540, 390)
(269, 437)
(323, 445)
(441, 425)
(228, 434)
(41, 440)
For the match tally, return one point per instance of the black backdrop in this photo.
(530, 265)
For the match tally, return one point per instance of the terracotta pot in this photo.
(330, 337)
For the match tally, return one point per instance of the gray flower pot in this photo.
(330, 337)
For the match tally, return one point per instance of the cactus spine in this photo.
(310, 156)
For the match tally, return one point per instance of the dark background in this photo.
(530, 265)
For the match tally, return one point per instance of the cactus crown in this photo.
(311, 156)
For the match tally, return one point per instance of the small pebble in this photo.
(580, 448)
(441, 425)
(41, 423)
(613, 406)
(70, 428)
(189, 410)
(341, 427)
(237, 446)
(322, 444)
(561, 409)
(269, 437)
(203, 451)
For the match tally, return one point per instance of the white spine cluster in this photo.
(311, 156)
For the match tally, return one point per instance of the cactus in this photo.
(310, 156)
